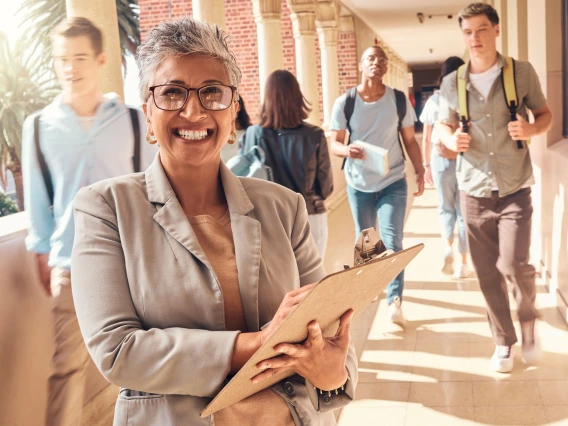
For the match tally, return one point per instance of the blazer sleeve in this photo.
(310, 265)
(165, 361)
(324, 173)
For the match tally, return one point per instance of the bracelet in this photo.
(342, 388)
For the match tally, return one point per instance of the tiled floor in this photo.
(436, 371)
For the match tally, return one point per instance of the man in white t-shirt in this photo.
(375, 120)
(494, 174)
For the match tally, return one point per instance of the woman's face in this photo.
(193, 135)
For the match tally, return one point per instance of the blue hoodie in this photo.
(75, 159)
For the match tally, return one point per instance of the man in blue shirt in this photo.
(371, 193)
(84, 137)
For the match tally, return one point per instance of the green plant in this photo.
(44, 15)
(26, 86)
(7, 206)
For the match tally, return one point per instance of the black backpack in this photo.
(349, 107)
(43, 164)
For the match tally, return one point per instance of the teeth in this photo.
(192, 134)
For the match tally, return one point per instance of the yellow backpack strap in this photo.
(510, 89)
(509, 86)
(462, 94)
(463, 100)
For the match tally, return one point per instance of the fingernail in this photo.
(281, 350)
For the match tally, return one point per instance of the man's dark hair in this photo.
(284, 106)
(449, 66)
(76, 27)
(476, 9)
(373, 47)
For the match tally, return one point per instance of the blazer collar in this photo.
(160, 190)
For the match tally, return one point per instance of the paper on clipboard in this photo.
(377, 158)
(354, 288)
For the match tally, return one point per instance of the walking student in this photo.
(495, 174)
(82, 137)
(296, 151)
(375, 114)
(441, 172)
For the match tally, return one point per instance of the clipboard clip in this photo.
(368, 247)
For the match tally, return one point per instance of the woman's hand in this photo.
(287, 306)
(320, 360)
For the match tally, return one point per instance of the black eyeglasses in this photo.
(172, 97)
(373, 58)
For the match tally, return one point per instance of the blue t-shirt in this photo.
(375, 123)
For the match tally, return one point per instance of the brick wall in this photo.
(348, 61)
(243, 42)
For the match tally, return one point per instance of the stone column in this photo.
(303, 18)
(517, 29)
(211, 11)
(328, 33)
(103, 14)
(502, 41)
(267, 15)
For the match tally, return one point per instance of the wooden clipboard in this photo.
(335, 294)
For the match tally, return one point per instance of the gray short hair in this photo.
(182, 37)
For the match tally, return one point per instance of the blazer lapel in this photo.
(170, 215)
(247, 239)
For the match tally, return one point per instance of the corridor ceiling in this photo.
(397, 24)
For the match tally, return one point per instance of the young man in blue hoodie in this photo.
(83, 137)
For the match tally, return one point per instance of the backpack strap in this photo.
(510, 89)
(136, 130)
(350, 97)
(400, 99)
(462, 94)
(41, 161)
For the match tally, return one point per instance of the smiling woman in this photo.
(177, 280)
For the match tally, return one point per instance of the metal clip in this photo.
(369, 246)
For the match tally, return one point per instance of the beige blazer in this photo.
(149, 304)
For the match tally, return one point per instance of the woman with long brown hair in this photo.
(295, 150)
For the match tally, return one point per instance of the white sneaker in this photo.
(464, 271)
(448, 267)
(395, 312)
(531, 348)
(503, 359)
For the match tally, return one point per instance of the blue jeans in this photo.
(389, 205)
(446, 183)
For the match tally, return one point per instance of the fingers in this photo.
(345, 324)
(296, 296)
(296, 351)
(314, 332)
(283, 361)
(267, 374)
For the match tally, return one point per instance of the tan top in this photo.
(216, 240)
(493, 155)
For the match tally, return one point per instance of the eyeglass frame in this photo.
(189, 89)
(385, 61)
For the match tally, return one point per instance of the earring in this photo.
(233, 138)
(151, 138)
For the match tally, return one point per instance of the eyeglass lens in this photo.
(171, 97)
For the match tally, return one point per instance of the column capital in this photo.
(327, 13)
(327, 36)
(299, 6)
(303, 23)
(346, 24)
(266, 9)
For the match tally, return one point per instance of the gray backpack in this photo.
(250, 163)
